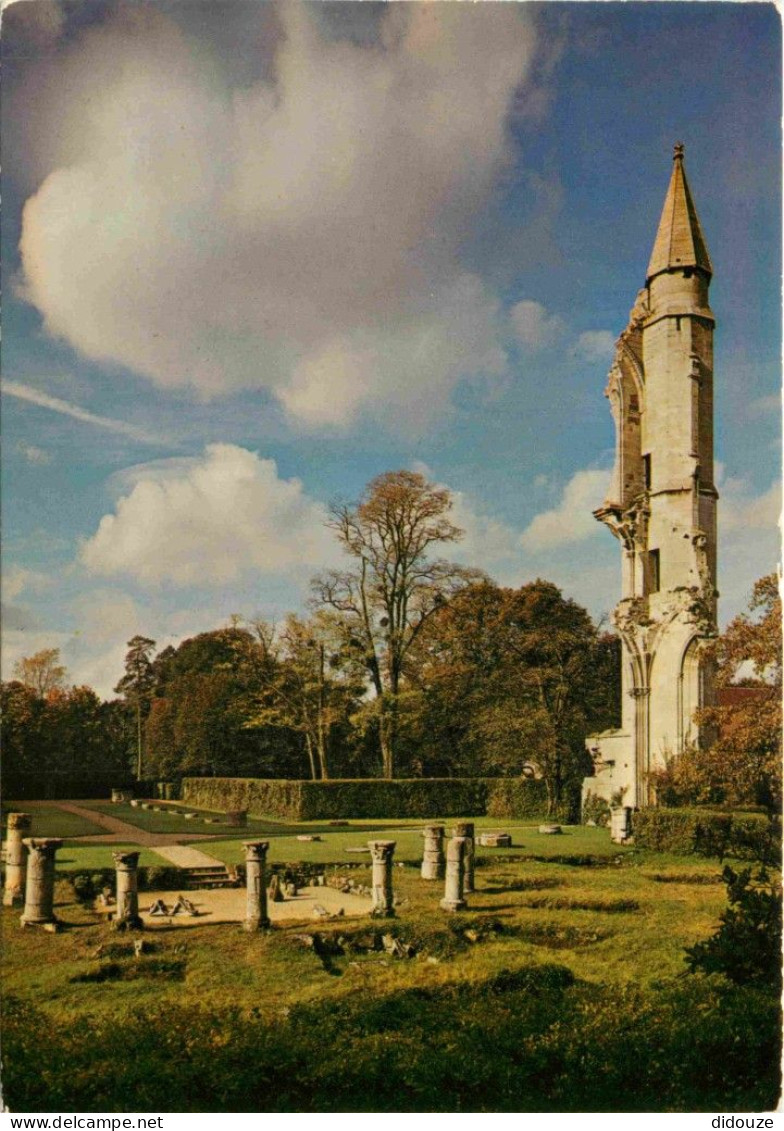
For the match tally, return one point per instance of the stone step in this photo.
(204, 877)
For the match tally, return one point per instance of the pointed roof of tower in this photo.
(679, 240)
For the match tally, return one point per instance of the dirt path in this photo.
(121, 832)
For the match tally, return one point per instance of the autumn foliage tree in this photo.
(42, 672)
(513, 680)
(393, 586)
(741, 764)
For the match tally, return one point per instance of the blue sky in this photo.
(256, 255)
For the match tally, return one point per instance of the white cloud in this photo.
(534, 325)
(595, 345)
(17, 580)
(209, 521)
(43, 400)
(740, 510)
(300, 235)
(572, 520)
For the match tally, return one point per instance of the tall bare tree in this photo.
(393, 587)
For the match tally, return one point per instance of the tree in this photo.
(299, 688)
(515, 680)
(393, 588)
(741, 763)
(136, 686)
(42, 672)
(200, 718)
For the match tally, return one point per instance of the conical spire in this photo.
(679, 240)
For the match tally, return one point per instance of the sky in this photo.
(257, 254)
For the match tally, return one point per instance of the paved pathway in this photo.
(183, 856)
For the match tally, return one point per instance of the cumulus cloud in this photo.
(595, 345)
(534, 325)
(209, 520)
(572, 519)
(299, 233)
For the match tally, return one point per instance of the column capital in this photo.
(20, 821)
(255, 849)
(128, 861)
(381, 850)
(46, 846)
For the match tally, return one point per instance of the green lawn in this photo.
(48, 820)
(76, 857)
(527, 843)
(561, 987)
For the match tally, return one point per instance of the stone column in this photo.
(127, 913)
(256, 918)
(433, 859)
(466, 829)
(39, 893)
(381, 852)
(455, 874)
(15, 859)
(620, 824)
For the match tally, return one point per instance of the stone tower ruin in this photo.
(661, 507)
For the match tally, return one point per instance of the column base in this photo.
(50, 924)
(382, 913)
(13, 898)
(453, 904)
(132, 924)
(252, 925)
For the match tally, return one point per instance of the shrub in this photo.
(747, 946)
(159, 877)
(707, 832)
(369, 797)
(595, 809)
(83, 887)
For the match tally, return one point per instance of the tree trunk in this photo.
(321, 729)
(138, 740)
(311, 759)
(387, 733)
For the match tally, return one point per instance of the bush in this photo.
(83, 887)
(596, 809)
(747, 946)
(368, 797)
(707, 832)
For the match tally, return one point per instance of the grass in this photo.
(48, 820)
(359, 1027)
(76, 857)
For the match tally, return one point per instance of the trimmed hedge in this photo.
(514, 797)
(707, 832)
(369, 797)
